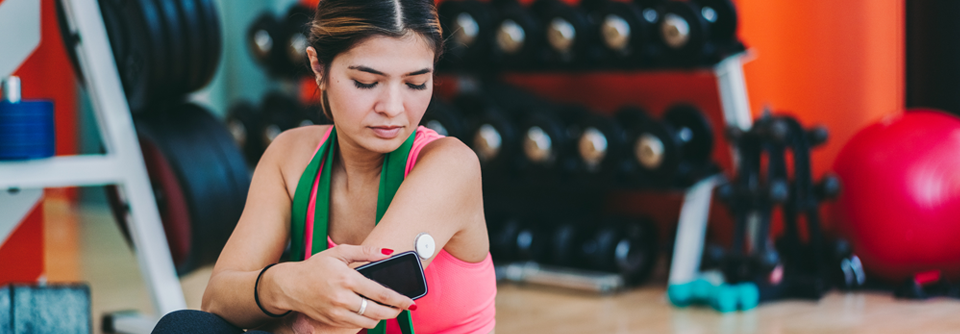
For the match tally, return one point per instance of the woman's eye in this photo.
(418, 87)
(363, 85)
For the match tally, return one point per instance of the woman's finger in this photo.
(351, 253)
(376, 311)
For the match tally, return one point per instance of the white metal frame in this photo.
(692, 225)
(122, 164)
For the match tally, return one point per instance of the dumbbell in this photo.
(628, 30)
(263, 41)
(294, 39)
(550, 136)
(692, 32)
(245, 123)
(468, 27)
(722, 297)
(519, 40)
(445, 119)
(495, 134)
(624, 246)
(572, 34)
(671, 150)
(602, 149)
(282, 113)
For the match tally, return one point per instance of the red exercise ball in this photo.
(900, 205)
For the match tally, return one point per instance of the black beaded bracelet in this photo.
(256, 294)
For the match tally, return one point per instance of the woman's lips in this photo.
(386, 132)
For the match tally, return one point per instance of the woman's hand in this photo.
(326, 290)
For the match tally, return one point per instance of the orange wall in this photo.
(836, 63)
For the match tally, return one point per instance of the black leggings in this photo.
(193, 321)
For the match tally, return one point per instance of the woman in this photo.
(373, 61)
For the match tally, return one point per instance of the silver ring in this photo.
(363, 306)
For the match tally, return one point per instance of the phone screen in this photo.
(403, 273)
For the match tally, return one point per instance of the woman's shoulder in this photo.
(450, 152)
(294, 147)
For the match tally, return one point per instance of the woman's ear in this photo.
(315, 66)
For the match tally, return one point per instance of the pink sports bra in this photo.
(461, 295)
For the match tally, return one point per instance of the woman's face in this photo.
(379, 90)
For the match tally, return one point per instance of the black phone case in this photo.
(405, 256)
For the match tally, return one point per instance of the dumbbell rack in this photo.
(691, 228)
(122, 165)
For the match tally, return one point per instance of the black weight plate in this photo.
(155, 41)
(134, 59)
(488, 116)
(176, 44)
(246, 124)
(637, 123)
(699, 146)
(233, 164)
(564, 243)
(690, 52)
(724, 28)
(193, 37)
(584, 33)
(213, 40)
(199, 168)
(468, 42)
(263, 41)
(526, 54)
(295, 40)
(599, 162)
(639, 29)
(443, 118)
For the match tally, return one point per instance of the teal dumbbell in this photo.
(722, 297)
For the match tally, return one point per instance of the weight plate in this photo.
(494, 136)
(444, 119)
(683, 32)
(295, 40)
(213, 40)
(155, 40)
(724, 27)
(237, 175)
(262, 41)
(176, 43)
(569, 33)
(468, 28)
(245, 123)
(519, 37)
(204, 176)
(694, 131)
(654, 150)
(133, 51)
(193, 37)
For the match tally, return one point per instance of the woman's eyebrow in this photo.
(373, 71)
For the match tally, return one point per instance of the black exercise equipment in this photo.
(263, 42)
(245, 123)
(520, 41)
(927, 285)
(200, 181)
(628, 30)
(602, 149)
(673, 151)
(295, 40)
(163, 49)
(468, 29)
(698, 31)
(503, 230)
(445, 119)
(572, 34)
(282, 113)
(550, 136)
(790, 267)
(622, 245)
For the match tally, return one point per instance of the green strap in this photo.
(391, 176)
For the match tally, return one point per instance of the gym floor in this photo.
(83, 244)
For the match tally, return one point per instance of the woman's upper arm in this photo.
(441, 196)
(263, 229)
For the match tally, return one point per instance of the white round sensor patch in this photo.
(425, 246)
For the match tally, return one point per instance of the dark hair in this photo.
(339, 25)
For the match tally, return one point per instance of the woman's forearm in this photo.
(230, 295)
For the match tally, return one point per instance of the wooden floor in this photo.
(85, 245)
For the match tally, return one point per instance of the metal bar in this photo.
(733, 92)
(116, 125)
(61, 171)
(691, 231)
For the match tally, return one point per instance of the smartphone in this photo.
(402, 273)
